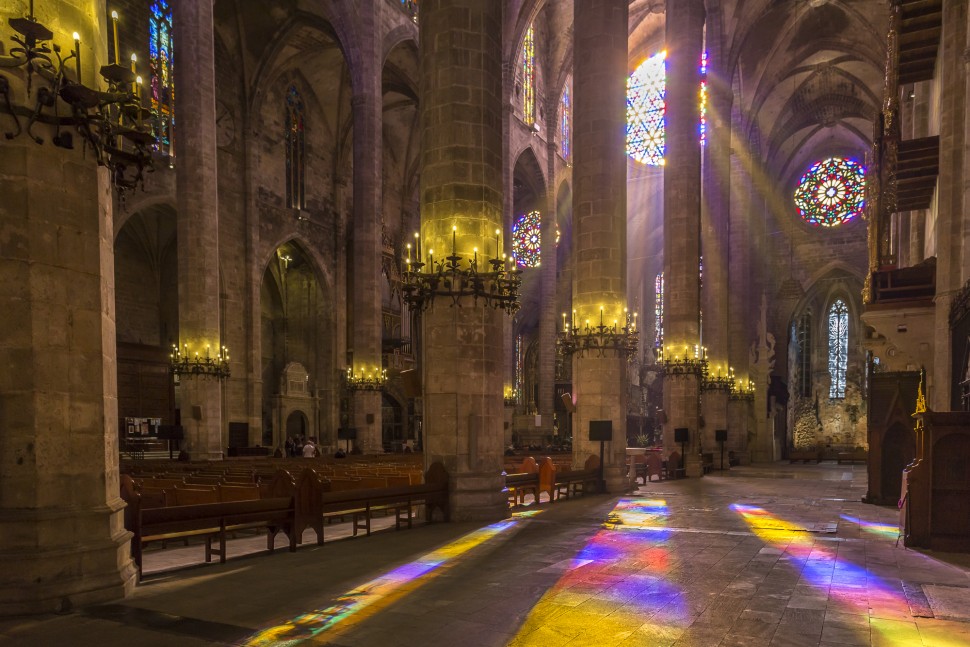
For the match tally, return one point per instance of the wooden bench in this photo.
(855, 456)
(211, 521)
(523, 481)
(707, 462)
(584, 481)
(646, 466)
(317, 503)
(804, 455)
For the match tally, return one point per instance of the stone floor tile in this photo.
(842, 635)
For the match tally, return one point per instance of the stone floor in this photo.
(780, 555)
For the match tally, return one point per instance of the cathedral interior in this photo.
(460, 231)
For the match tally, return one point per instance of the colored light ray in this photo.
(646, 591)
(847, 585)
(881, 529)
(370, 597)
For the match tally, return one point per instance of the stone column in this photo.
(599, 225)
(682, 215)
(461, 207)
(548, 317)
(64, 542)
(200, 400)
(951, 268)
(715, 238)
(364, 265)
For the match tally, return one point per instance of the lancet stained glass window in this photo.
(565, 125)
(831, 192)
(838, 347)
(659, 310)
(529, 76)
(646, 92)
(160, 60)
(295, 151)
(527, 239)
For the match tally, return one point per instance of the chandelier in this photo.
(186, 365)
(364, 380)
(718, 382)
(743, 392)
(112, 121)
(455, 277)
(601, 338)
(692, 362)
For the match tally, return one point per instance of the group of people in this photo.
(301, 446)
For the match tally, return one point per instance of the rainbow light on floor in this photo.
(849, 587)
(881, 529)
(632, 544)
(370, 597)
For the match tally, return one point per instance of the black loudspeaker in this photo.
(720, 435)
(171, 432)
(601, 430)
(347, 433)
(681, 435)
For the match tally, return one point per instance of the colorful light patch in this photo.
(369, 598)
(881, 529)
(831, 192)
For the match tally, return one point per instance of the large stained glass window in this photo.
(838, 347)
(162, 67)
(646, 91)
(658, 310)
(527, 239)
(529, 76)
(295, 151)
(565, 125)
(831, 192)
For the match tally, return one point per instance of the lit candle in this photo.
(134, 72)
(417, 246)
(601, 315)
(564, 327)
(497, 232)
(475, 252)
(114, 27)
(431, 259)
(454, 234)
(77, 55)
(409, 252)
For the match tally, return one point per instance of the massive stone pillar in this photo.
(364, 265)
(64, 543)
(715, 239)
(548, 316)
(200, 400)
(599, 226)
(682, 216)
(461, 209)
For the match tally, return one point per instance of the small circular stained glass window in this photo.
(831, 193)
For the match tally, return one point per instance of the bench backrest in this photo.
(196, 495)
(238, 492)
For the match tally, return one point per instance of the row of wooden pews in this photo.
(180, 503)
(536, 478)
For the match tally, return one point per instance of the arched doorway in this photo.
(296, 425)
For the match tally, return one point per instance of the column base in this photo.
(477, 496)
(618, 480)
(43, 577)
(694, 468)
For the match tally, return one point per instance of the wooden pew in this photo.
(316, 502)
(523, 481)
(582, 481)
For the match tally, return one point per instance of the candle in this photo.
(564, 321)
(431, 259)
(417, 245)
(601, 315)
(77, 56)
(134, 72)
(409, 252)
(454, 234)
(475, 252)
(497, 232)
(31, 9)
(114, 27)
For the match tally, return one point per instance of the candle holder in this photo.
(374, 381)
(111, 122)
(602, 339)
(684, 366)
(204, 366)
(742, 392)
(456, 278)
(717, 383)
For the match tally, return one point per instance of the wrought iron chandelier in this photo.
(457, 277)
(112, 121)
(204, 366)
(364, 381)
(692, 362)
(601, 338)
